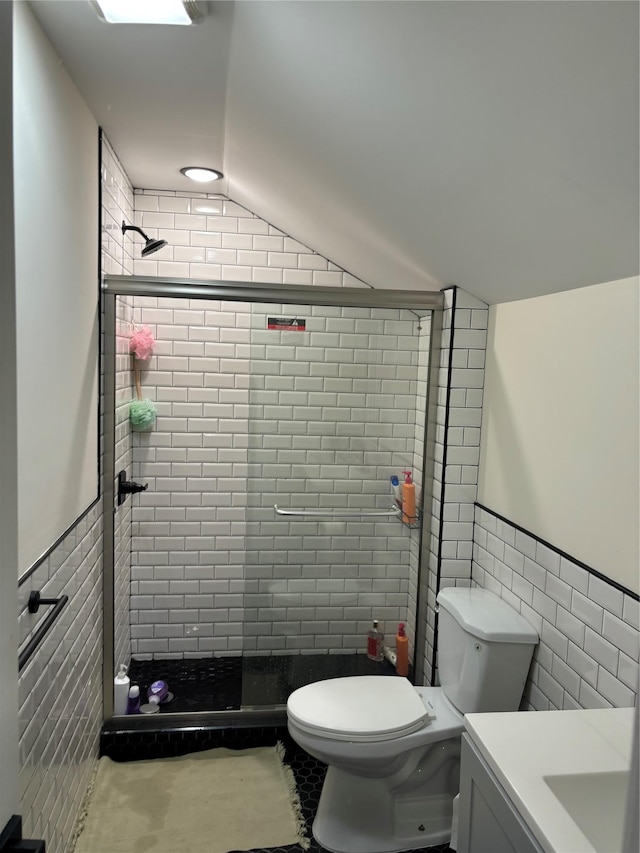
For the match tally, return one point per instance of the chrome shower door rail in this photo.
(420, 301)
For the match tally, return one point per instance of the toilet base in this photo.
(361, 815)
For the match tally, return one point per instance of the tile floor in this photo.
(309, 773)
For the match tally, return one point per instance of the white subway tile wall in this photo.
(249, 417)
(117, 206)
(332, 414)
(589, 641)
(60, 688)
(211, 237)
(204, 594)
(457, 450)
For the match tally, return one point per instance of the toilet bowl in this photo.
(392, 749)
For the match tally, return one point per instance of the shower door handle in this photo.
(393, 511)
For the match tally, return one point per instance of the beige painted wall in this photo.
(57, 296)
(9, 787)
(560, 434)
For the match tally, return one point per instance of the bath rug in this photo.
(215, 801)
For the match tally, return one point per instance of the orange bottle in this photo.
(408, 499)
(402, 651)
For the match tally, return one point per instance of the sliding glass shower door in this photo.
(336, 407)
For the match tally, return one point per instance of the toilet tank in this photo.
(484, 650)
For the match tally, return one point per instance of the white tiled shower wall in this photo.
(250, 417)
(457, 449)
(211, 237)
(332, 416)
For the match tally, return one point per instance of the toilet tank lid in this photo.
(486, 616)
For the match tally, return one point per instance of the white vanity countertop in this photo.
(522, 748)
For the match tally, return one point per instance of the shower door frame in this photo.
(230, 291)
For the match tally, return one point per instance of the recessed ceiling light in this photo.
(180, 12)
(201, 174)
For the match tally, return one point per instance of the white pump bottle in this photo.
(121, 690)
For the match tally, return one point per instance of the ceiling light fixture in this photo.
(177, 12)
(202, 174)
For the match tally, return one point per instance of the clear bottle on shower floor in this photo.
(375, 639)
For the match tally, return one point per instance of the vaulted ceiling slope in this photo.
(493, 145)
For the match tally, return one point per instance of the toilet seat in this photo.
(355, 708)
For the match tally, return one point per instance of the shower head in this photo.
(150, 246)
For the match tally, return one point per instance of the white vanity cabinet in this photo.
(488, 821)
(545, 781)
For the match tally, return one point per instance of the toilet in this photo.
(392, 749)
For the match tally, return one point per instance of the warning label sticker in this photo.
(286, 324)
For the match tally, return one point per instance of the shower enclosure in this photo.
(267, 539)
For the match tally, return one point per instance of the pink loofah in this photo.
(142, 343)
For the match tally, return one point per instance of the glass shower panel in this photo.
(305, 408)
(336, 406)
(187, 556)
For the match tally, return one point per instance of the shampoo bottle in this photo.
(402, 651)
(121, 690)
(408, 499)
(375, 639)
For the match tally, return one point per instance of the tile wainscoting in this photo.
(589, 641)
(60, 688)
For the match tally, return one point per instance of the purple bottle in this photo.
(133, 702)
(158, 692)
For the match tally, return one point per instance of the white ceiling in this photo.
(488, 144)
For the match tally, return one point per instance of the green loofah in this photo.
(142, 415)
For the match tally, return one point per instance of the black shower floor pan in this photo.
(217, 684)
